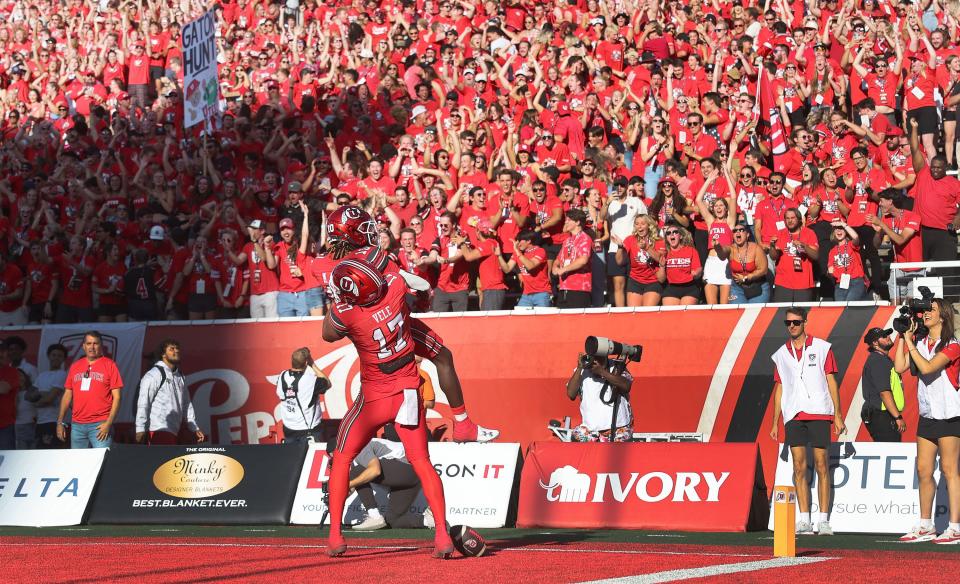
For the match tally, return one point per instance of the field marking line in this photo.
(626, 552)
(708, 571)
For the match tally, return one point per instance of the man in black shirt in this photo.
(880, 412)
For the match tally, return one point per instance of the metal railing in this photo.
(943, 279)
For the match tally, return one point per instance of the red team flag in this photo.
(769, 113)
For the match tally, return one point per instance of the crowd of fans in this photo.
(576, 153)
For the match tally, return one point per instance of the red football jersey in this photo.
(382, 335)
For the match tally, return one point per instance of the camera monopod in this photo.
(618, 367)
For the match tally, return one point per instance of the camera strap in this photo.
(296, 392)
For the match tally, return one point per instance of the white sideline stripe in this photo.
(707, 571)
(853, 422)
(718, 385)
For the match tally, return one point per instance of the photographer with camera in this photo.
(930, 350)
(299, 389)
(602, 382)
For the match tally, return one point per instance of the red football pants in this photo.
(357, 428)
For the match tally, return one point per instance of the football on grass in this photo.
(467, 541)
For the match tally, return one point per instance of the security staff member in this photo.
(299, 389)
(880, 412)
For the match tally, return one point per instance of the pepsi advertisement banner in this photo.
(198, 484)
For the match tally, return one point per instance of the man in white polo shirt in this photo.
(806, 391)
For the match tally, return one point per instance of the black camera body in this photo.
(913, 312)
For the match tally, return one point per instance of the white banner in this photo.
(201, 90)
(41, 488)
(122, 342)
(477, 483)
(874, 487)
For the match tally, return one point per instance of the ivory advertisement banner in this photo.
(682, 486)
(122, 342)
(875, 487)
(42, 488)
(477, 480)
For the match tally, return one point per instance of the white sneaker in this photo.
(486, 434)
(823, 528)
(428, 520)
(919, 533)
(948, 537)
(371, 523)
(804, 528)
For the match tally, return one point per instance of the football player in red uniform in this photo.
(370, 309)
(352, 233)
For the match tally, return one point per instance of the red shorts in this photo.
(427, 343)
(362, 421)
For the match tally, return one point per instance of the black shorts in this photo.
(814, 433)
(634, 287)
(928, 121)
(613, 268)
(553, 250)
(933, 430)
(111, 309)
(202, 302)
(681, 290)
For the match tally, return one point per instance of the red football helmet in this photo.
(352, 225)
(356, 281)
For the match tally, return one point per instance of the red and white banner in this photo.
(703, 370)
(681, 486)
(770, 112)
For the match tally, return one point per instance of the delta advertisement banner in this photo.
(478, 480)
(43, 488)
(122, 342)
(664, 486)
(213, 485)
(875, 487)
(704, 370)
(201, 96)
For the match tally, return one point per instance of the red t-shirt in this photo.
(680, 264)
(106, 276)
(262, 278)
(41, 277)
(381, 333)
(538, 280)
(320, 267)
(845, 259)
(491, 276)
(92, 400)
(8, 401)
(788, 276)
(935, 200)
(11, 280)
(76, 287)
(288, 281)
(643, 268)
(913, 250)
(575, 247)
(454, 277)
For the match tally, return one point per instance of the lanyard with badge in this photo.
(85, 382)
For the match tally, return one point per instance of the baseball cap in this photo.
(875, 334)
(418, 110)
(894, 131)
(157, 233)
(255, 224)
(480, 77)
(366, 54)
(286, 223)
(295, 187)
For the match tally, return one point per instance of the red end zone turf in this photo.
(398, 561)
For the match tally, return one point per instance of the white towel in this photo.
(409, 414)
